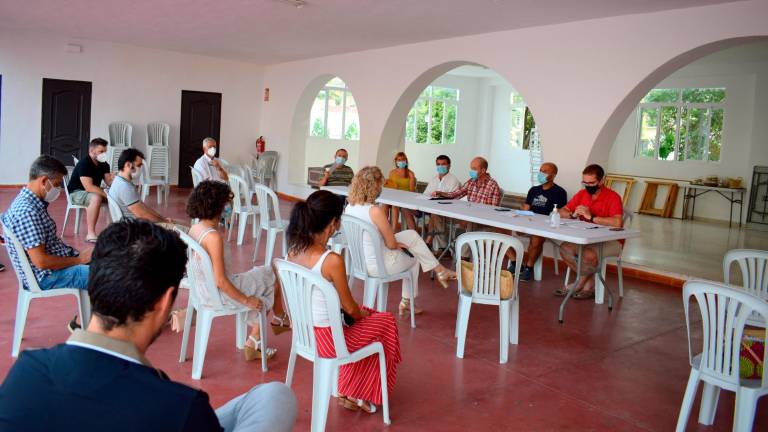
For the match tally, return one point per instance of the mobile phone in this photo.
(407, 252)
(444, 202)
(502, 209)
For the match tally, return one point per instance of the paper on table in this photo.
(524, 212)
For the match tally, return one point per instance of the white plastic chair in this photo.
(724, 312)
(297, 284)
(34, 291)
(267, 198)
(120, 134)
(242, 209)
(70, 206)
(155, 173)
(357, 231)
(487, 251)
(599, 288)
(753, 265)
(75, 159)
(157, 134)
(115, 213)
(197, 176)
(199, 265)
(113, 155)
(265, 167)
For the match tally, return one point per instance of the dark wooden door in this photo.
(66, 127)
(200, 118)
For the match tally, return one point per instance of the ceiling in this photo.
(275, 31)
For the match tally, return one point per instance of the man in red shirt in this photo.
(597, 204)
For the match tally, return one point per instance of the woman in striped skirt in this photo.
(312, 223)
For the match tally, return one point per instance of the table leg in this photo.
(730, 215)
(741, 207)
(571, 290)
(602, 279)
(693, 206)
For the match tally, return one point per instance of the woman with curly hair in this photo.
(257, 288)
(312, 223)
(365, 188)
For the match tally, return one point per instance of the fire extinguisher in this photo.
(260, 145)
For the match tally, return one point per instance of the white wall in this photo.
(574, 76)
(137, 85)
(741, 148)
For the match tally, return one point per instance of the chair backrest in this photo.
(297, 284)
(158, 133)
(487, 251)
(114, 153)
(197, 176)
(266, 198)
(75, 159)
(65, 185)
(200, 272)
(724, 312)
(120, 134)
(358, 232)
(269, 161)
(115, 213)
(158, 161)
(626, 217)
(241, 202)
(12, 242)
(753, 265)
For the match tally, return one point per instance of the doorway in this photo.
(200, 118)
(66, 119)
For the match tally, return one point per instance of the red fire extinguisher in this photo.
(260, 145)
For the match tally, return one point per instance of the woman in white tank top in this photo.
(365, 188)
(312, 223)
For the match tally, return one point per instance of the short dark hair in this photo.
(483, 162)
(311, 217)
(208, 199)
(443, 157)
(97, 142)
(47, 166)
(132, 266)
(128, 155)
(342, 149)
(595, 170)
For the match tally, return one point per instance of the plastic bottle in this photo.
(554, 218)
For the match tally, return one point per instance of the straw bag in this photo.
(468, 280)
(751, 355)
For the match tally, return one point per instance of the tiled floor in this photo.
(623, 370)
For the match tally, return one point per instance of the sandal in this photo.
(563, 291)
(404, 308)
(91, 239)
(252, 353)
(280, 323)
(357, 405)
(584, 294)
(445, 276)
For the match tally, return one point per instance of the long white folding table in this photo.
(572, 231)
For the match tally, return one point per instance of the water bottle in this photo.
(554, 218)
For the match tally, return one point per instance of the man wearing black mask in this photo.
(599, 205)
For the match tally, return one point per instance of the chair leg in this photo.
(568, 276)
(77, 221)
(321, 393)
(258, 243)
(242, 222)
(185, 333)
(291, 367)
(599, 286)
(202, 331)
(687, 405)
(285, 246)
(84, 308)
(66, 218)
(504, 311)
(621, 278)
(556, 258)
(231, 223)
(744, 416)
(384, 389)
(241, 330)
(463, 321)
(263, 335)
(537, 267)
(709, 397)
(382, 296)
(514, 321)
(413, 302)
(271, 237)
(22, 307)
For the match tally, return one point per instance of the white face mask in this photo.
(102, 157)
(52, 194)
(211, 152)
(134, 174)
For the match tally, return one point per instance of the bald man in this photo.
(480, 188)
(541, 199)
(208, 164)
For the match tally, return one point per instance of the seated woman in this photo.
(256, 288)
(401, 178)
(312, 223)
(366, 186)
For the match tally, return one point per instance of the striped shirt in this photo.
(28, 219)
(484, 190)
(341, 176)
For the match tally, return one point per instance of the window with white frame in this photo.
(681, 124)
(334, 113)
(432, 120)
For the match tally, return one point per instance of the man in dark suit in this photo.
(100, 379)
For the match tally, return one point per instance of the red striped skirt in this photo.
(360, 380)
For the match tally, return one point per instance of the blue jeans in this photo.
(69, 277)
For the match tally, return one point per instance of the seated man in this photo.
(337, 173)
(55, 264)
(123, 192)
(208, 164)
(541, 200)
(444, 181)
(600, 205)
(101, 380)
(480, 188)
(85, 184)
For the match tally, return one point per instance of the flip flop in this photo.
(358, 405)
(584, 295)
(91, 239)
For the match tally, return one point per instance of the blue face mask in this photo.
(442, 169)
(541, 177)
(402, 164)
(340, 160)
(473, 174)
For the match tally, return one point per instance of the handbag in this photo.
(751, 354)
(506, 285)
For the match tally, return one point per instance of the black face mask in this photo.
(592, 189)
